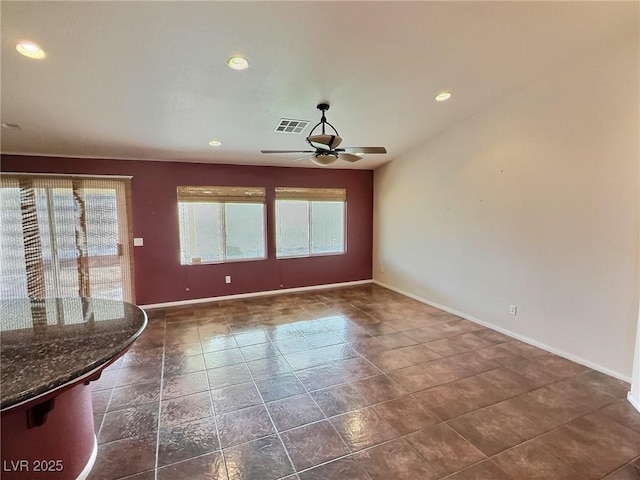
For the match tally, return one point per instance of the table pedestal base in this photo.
(52, 441)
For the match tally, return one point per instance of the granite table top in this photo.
(48, 344)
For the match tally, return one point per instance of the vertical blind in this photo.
(65, 236)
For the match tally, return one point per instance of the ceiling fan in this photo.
(326, 145)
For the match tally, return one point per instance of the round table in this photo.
(50, 350)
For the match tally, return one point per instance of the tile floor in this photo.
(353, 383)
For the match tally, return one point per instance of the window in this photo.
(221, 224)
(309, 221)
(65, 236)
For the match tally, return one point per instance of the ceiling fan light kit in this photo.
(323, 160)
(326, 145)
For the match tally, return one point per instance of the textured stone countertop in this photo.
(46, 344)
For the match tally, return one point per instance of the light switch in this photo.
(138, 242)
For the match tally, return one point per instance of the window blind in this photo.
(65, 236)
(199, 194)
(311, 194)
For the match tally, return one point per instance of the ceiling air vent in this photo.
(287, 125)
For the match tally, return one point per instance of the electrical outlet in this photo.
(381, 268)
(513, 309)
(227, 279)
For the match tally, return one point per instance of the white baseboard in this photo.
(634, 401)
(517, 336)
(195, 301)
(84, 474)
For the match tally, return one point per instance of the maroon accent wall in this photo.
(160, 278)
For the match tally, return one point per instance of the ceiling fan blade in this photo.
(287, 151)
(349, 157)
(360, 150)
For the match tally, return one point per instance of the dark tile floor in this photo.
(353, 383)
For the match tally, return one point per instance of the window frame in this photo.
(218, 192)
(309, 193)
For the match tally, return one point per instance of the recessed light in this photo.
(238, 63)
(11, 126)
(31, 50)
(442, 96)
(215, 142)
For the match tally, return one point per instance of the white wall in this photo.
(532, 202)
(634, 393)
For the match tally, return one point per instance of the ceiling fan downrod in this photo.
(323, 107)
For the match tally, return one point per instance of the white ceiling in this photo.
(148, 80)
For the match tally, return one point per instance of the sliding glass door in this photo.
(65, 237)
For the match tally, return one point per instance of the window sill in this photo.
(224, 262)
(314, 255)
